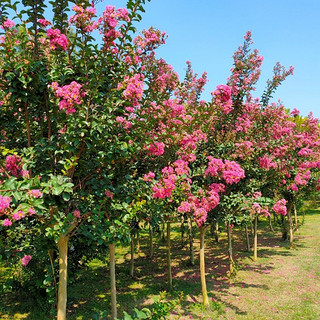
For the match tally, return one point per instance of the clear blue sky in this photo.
(207, 32)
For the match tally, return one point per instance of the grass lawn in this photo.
(282, 284)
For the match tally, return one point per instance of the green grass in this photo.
(282, 284)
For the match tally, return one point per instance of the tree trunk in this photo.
(150, 241)
(247, 239)
(191, 241)
(230, 253)
(182, 231)
(50, 252)
(131, 256)
(212, 226)
(255, 239)
(138, 241)
(63, 272)
(113, 281)
(270, 224)
(295, 217)
(202, 268)
(290, 224)
(216, 233)
(169, 257)
(284, 229)
(163, 231)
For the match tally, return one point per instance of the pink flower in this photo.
(280, 207)
(18, 215)
(71, 95)
(57, 40)
(149, 176)
(156, 149)
(77, 214)
(295, 112)
(133, 88)
(214, 166)
(257, 194)
(13, 164)
(222, 96)
(35, 193)
(109, 194)
(4, 203)
(181, 167)
(266, 162)
(294, 187)
(7, 223)
(25, 260)
(200, 216)
(8, 24)
(305, 152)
(232, 172)
(44, 22)
(31, 211)
(184, 207)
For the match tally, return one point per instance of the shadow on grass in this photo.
(89, 291)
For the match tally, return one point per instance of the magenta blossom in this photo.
(25, 260)
(280, 207)
(8, 24)
(7, 223)
(35, 193)
(4, 203)
(77, 214)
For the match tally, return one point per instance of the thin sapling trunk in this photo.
(113, 281)
(255, 239)
(190, 230)
(202, 268)
(63, 272)
(169, 257)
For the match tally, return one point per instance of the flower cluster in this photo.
(280, 207)
(149, 176)
(44, 22)
(25, 260)
(200, 205)
(222, 98)
(256, 209)
(133, 88)
(8, 24)
(150, 40)
(156, 149)
(4, 203)
(57, 40)
(124, 122)
(70, 95)
(163, 188)
(18, 215)
(231, 171)
(181, 167)
(35, 193)
(13, 165)
(82, 18)
(302, 178)
(266, 162)
(108, 23)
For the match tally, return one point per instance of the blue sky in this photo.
(207, 32)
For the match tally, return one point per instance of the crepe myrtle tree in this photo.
(76, 117)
